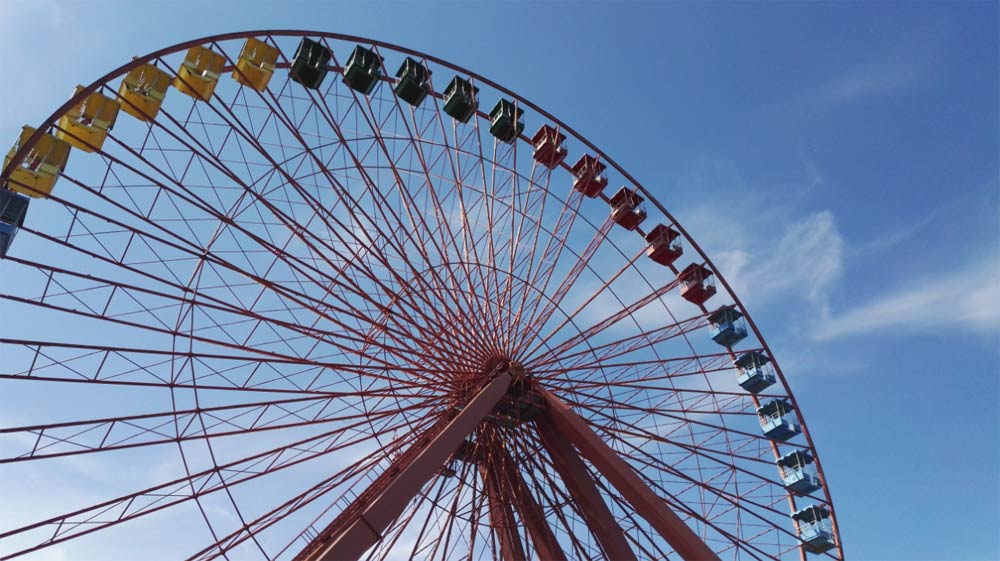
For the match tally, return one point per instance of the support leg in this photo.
(502, 518)
(646, 503)
(532, 516)
(361, 524)
(584, 492)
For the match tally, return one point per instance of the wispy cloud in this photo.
(889, 240)
(772, 249)
(806, 262)
(969, 300)
(781, 258)
(875, 78)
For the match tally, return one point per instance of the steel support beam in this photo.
(532, 515)
(502, 517)
(584, 492)
(646, 503)
(360, 525)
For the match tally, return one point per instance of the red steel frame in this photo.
(360, 525)
(685, 542)
(581, 487)
(565, 435)
(502, 517)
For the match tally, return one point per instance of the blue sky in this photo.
(839, 162)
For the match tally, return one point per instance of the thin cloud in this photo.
(872, 79)
(891, 240)
(806, 262)
(968, 301)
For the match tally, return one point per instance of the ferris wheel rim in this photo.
(51, 121)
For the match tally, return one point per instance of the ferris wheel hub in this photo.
(522, 402)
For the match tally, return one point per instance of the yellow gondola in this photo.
(256, 64)
(42, 164)
(199, 74)
(143, 90)
(87, 124)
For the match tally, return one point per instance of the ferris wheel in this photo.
(301, 295)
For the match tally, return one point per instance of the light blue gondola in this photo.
(814, 530)
(774, 421)
(796, 474)
(754, 374)
(727, 326)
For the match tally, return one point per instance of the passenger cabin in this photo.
(697, 284)
(256, 64)
(727, 326)
(41, 166)
(13, 209)
(627, 209)
(549, 150)
(461, 99)
(86, 125)
(199, 74)
(664, 244)
(363, 70)
(813, 527)
(505, 121)
(796, 473)
(774, 422)
(413, 82)
(310, 63)
(589, 177)
(755, 375)
(143, 90)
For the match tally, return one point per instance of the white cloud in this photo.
(885, 74)
(871, 79)
(808, 262)
(771, 248)
(890, 240)
(805, 262)
(969, 300)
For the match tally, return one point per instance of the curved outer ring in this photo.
(138, 61)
